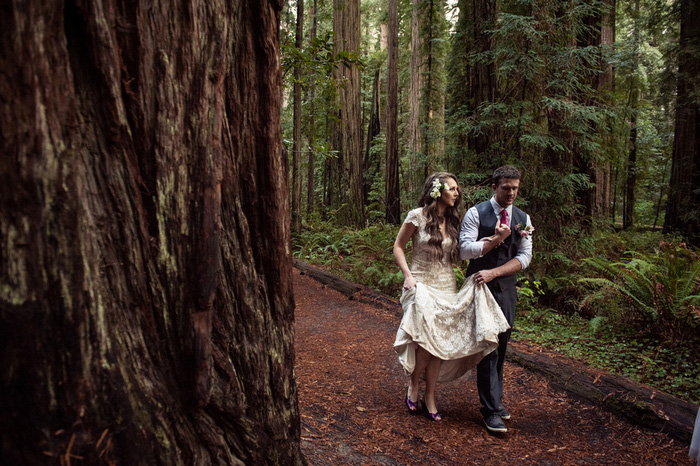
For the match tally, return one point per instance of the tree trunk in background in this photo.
(393, 205)
(596, 200)
(346, 25)
(146, 309)
(415, 140)
(683, 210)
(312, 125)
(458, 85)
(433, 105)
(297, 143)
(484, 80)
(370, 168)
(628, 217)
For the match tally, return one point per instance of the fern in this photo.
(663, 287)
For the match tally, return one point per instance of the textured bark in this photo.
(393, 207)
(297, 144)
(683, 210)
(346, 25)
(146, 310)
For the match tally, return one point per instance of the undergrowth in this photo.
(668, 365)
(584, 304)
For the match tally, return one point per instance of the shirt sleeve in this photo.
(469, 247)
(524, 254)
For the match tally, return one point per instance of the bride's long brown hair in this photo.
(452, 218)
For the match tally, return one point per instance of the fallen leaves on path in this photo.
(351, 390)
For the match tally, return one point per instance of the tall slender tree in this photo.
(393, 205)
(346, 25)
(599, 33)
(146, 309)
(312, 120)
(483, 75)
(683, 210)
(297, 143)
(628, 218)
(415, 140)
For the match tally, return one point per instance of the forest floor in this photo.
(351, 389)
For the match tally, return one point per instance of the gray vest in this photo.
(503, 253)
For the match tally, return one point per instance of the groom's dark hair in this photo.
(506, 171)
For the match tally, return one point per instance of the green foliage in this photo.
(668, 365)
(363, 256)
(608, 339)
(661, 286)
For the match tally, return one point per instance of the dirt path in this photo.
(351, 390)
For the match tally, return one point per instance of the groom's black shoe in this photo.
(495, 424)
(503, 412)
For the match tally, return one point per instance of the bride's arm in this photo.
(405, 234)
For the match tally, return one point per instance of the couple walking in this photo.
(444, 332)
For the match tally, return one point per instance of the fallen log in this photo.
(353, 291)
(639, 403)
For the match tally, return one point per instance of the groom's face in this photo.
(506, 191)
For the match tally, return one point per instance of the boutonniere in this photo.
(524, 230)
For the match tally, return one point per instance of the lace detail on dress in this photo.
(439, 275)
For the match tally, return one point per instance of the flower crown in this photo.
(437, 188)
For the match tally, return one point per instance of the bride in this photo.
(444, 332)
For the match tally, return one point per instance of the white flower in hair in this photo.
(437, 186)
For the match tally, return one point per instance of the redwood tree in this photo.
(348, 140)
(146, 310)
(683, 211)
(297, 143)
(393, 205)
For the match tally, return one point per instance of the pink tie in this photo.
(504, 217)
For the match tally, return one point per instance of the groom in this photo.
(495, 263)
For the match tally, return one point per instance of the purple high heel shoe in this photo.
(437, 417)
(412, 407)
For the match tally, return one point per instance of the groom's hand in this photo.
(502, 232)
(484, 276)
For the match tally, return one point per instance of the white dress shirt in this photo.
(470, 248)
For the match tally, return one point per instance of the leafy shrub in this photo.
(362, 256)
(661, 287)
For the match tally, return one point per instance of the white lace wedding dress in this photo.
(460, 327)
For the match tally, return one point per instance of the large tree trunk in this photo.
(346, 25)
(393, 206)
(297, 144)
(146, 310)
(683, 211)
